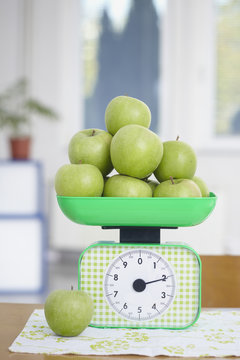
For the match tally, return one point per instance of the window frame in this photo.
(189, 82)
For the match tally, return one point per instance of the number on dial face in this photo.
(139, 285)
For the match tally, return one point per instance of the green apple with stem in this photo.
(126, 186)
(91, 146)
(177, 188)
(68, 312)
(136, 151)
(79, 180)
(202, 186)
(179, 161)
(126, 110)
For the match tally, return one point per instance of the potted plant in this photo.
(16, 114)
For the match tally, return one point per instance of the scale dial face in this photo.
(139, 285)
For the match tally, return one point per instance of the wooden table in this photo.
(13, 318)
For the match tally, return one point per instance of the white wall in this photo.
(11, 56)
(38, 40)
(55, 76)
(42, 44)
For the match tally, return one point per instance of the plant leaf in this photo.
(18, 89)
(37, 107)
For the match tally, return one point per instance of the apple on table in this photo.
(68, 312)
(126, 110)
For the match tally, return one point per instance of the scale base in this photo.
(183, 312)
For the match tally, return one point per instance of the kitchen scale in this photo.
(140, 282)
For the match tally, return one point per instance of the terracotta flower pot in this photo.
(20, 147)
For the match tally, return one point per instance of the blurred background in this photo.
(61, 62)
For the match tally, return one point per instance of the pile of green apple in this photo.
(135, 152)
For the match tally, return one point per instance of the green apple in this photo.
(136, 151)
(68, 312)
(126, 110)
(179, 161)
(202, 186)
(91, 146)
(126, 186)
(177, 188)
(79, 180)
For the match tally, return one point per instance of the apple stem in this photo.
(71, 287)
(171, 178)
(177, 138)
(80, 162)
(93, 132)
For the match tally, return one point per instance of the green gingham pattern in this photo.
(186, 306)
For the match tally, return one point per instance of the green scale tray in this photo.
(118, 211)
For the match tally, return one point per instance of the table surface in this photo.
(13, 318)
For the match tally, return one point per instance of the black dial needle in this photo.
(150, 282)
(139, 285)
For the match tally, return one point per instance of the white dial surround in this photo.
(139, 285)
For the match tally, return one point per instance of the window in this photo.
(228, 67)
(122, 50)
(201, 73)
